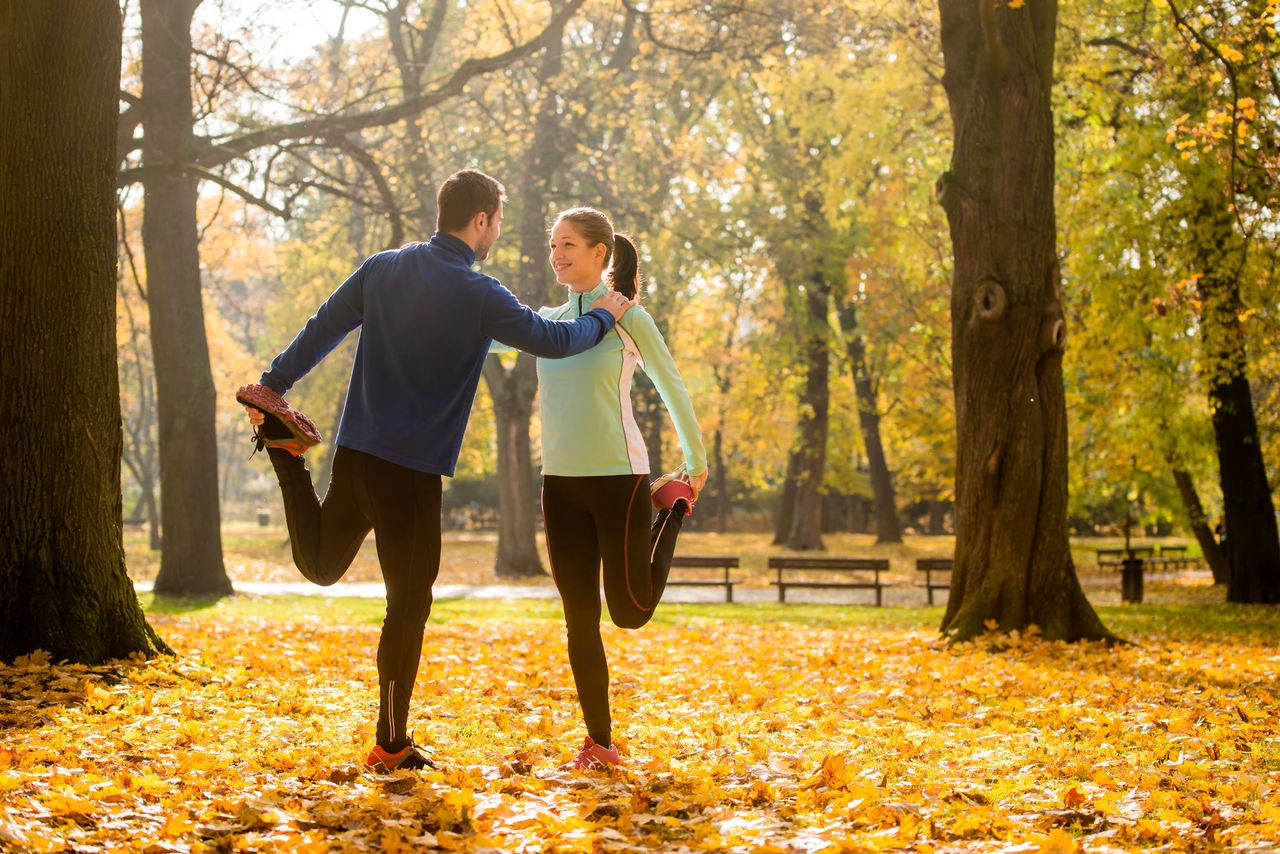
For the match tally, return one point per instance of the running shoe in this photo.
(283, 427)
(593, 757)
(671, 488)
(407, 758)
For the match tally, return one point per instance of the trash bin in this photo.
(264, 517)
(1131, 579)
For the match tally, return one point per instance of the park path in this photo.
(895, 596)
(1101, 590)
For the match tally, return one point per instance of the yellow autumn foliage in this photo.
(736, 736)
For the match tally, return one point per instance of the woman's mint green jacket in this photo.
(588, 427)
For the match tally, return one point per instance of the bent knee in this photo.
(634, 620)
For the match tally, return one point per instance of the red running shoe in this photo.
(408, 758)
(284, 427)
(593, 757)
(670, 488)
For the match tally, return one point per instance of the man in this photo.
(427, 322)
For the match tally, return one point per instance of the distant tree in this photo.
(63, 584)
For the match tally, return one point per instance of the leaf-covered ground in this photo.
(765, 729)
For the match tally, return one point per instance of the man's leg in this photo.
(406, 512)
(575, 566)
(325, 535)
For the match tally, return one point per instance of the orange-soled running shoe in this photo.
(672, 488)
(408, 758)
(283, 427)
(594, 757)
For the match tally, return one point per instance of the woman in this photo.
(595, 466)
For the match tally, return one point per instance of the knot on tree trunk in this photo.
(1053, 331)
(990, 300)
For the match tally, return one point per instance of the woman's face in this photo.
(575, 263)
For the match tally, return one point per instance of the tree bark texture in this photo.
(191, 556)
(787, 504)
(806, 524)
(1013, 561)
(513, 394)
(888, 528)
(1199, 522)
(63, 584)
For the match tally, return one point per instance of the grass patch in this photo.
(1140, 623)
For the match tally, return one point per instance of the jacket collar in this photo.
(454, 246)
(583, 301)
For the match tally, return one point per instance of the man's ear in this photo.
(480, 220)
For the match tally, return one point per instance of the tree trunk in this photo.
(63, 583)
(888, 529)
(806, 526)
(517, 517)
(1253, 546)
(1013, 560)
(1199, 522)
(324, 471)
(1253, 552)
(191, 559)
(721, 480)
(787, 505)
(937, 517)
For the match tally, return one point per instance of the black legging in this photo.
(402, 506)
(595, 520)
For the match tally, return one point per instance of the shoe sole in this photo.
(303, 430)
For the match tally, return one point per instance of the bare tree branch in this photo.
(216, 154)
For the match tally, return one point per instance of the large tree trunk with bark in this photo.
(1199, 522)
(787, 504)
(806, 524)
(1013, 560)
(191, 557)
(888, 529)
(63, 584)
(513, 392)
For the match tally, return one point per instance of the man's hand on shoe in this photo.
(256, 416)
(614, 303)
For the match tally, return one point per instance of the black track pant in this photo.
(402, 507)
(605, 520)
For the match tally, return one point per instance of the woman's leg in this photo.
(575, 566)
(325, 535)
(635, 547)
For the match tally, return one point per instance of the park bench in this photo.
(703, 565)
(857, 573)
(1112, 557)
(1173, 557)
(930, 565)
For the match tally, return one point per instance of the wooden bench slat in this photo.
(712, 561)
(722, 563)
(819, 563)
(855, 566)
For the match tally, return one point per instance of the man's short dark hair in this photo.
(465, 194)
